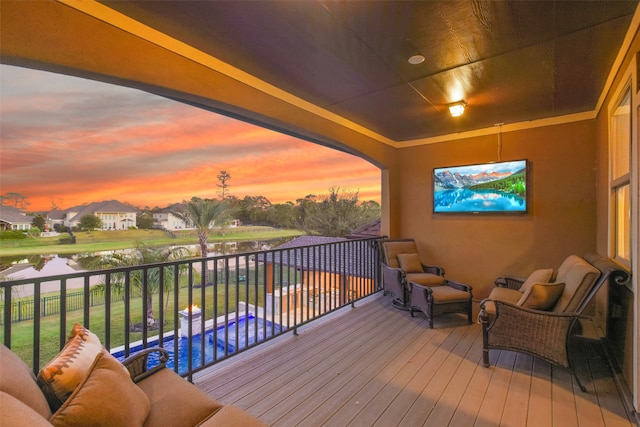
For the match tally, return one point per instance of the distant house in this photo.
(166, 219)
(56, 218)
(113, 214)
(14, 219)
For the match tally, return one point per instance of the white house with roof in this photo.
(166, 219)
(113, 214)
(14, 219)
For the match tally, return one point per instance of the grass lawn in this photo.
(96, 241)
(23, 332)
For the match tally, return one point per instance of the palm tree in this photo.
(143, 255)
(204, 214)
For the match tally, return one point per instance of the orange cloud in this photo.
(75, 141)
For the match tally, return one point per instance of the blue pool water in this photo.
(246, 328)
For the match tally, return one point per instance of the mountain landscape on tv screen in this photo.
(447, 180)
(481, 188)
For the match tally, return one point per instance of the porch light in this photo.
(416, 59)
(456, 109)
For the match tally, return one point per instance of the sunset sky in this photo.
(70, 141)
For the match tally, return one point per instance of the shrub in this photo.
(67, 240)
(13, 235)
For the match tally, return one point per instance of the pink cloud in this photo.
(79, 141)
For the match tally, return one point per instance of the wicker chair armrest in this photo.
(392, 273)
(510, 282)
(136, 364)
(433, 269)
(459, 286)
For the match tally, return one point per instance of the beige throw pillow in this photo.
(60, 377)
(410, 263)
(543, 275)
(542, 296)
(106, 397)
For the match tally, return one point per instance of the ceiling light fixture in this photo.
(416, 59)
(456, 109)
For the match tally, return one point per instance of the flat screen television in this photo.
(482, 188)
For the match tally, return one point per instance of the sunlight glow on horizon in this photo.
(71, 141)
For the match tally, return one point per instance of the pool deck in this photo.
(376, 365)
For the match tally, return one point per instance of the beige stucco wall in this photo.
(475, 249)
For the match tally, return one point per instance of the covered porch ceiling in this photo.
(509, 61)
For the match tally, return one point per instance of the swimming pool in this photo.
(246, 328)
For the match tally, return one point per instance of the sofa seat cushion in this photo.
(106, 397)
(541, 296)
(231, 416)
(174, 398)
(17, 380)
(17, 413)
(426, 279)
(60, 377)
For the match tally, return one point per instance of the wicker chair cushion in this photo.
(106, 397)
(541, 296)
(501, 294)
(392, 249)
(578, 280)
(447, 294)
(410, 263)
(426, 279)
(543, 275)
(60, 377)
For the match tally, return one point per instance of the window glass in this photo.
(623, 222)
(621, 138)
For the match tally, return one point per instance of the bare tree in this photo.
(15, 200)
(223, 177)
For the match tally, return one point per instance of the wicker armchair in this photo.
(546, 334)
(396, 279)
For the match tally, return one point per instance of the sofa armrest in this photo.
(136, 364)
(510, 282)
(433, 269)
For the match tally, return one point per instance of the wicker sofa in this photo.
(539, 320)
(158, 397)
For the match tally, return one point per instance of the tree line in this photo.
(334, 214)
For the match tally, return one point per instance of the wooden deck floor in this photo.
(375, 365)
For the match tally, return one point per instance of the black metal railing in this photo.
(201, 310)
(23, 308)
